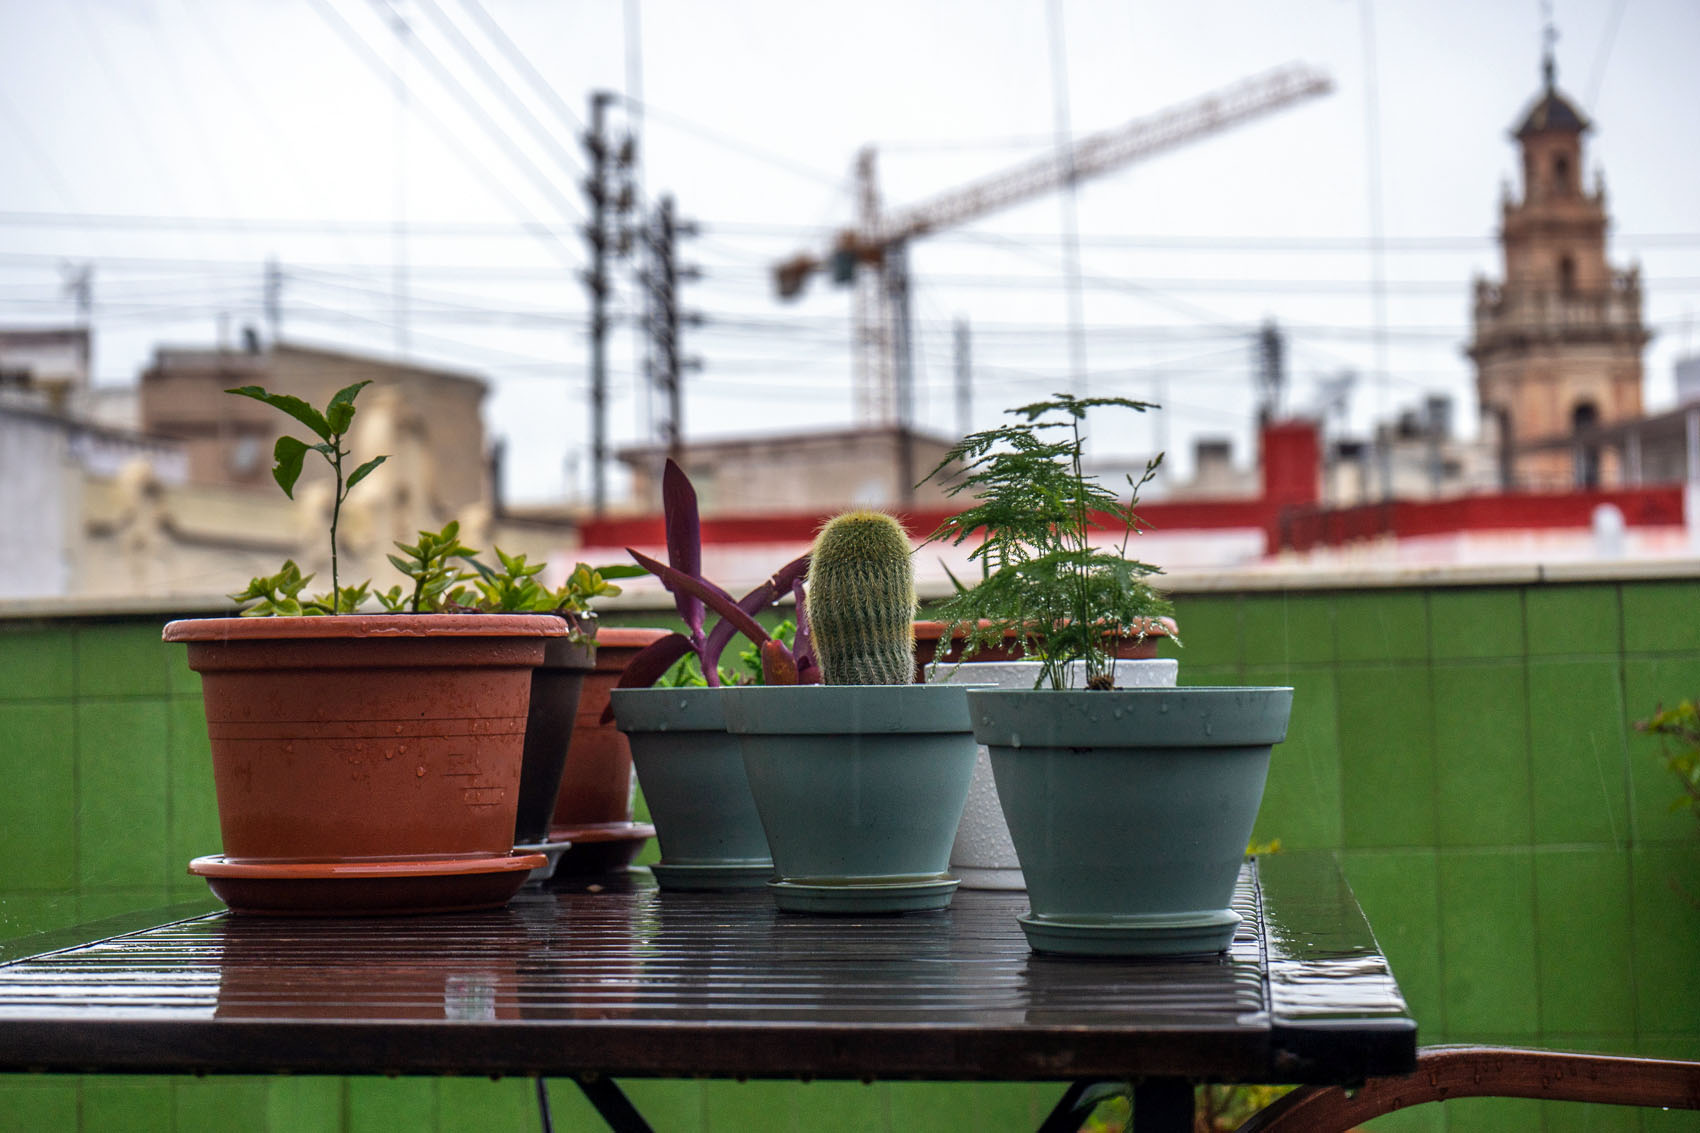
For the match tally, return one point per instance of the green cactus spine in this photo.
(861, 601)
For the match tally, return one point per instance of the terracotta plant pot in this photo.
(367, 737)
(593, 808)
(928, 635)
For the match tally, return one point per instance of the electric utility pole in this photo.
(662, 278)
(608, 187)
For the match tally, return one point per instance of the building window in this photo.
(1566, 276)
(1561, 174)
(1584, 419)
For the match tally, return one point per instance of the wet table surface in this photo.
(629, 981)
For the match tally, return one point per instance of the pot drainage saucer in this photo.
(550, 850)
(1181, 934)
(737, 873)
(599, 847)
(366, 888)
(863, 897)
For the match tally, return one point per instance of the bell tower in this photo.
(1557, 343)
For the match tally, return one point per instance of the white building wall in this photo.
(38, 501)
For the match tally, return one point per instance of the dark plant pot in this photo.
(593, 808)
(395, 737)
(859, 788)
(693, 780)
(556, 686)
(1130, 810)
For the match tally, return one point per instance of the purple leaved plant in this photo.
(694, 595)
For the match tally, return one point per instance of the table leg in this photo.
(1162, 1106)
(611, 1102)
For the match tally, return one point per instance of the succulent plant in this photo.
(861, 601)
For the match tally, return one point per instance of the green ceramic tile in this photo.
(1573, 621)
(1669, 1121)
(1285, 629)
(1382, 625)
(668, 1104)
(1481, 755)
(1491, 1115)
(1476, 623)
(134, 1104)
(946, 1106)
(1488, 966)
(304, 1105)
(1190, 674)
(25, 914)
(1578, 754)
(1660, 616)
(1650, 684)
(217, 1105)
(1666, 886)
(37, 665)
(473, 1105)
(180, 679)
(1301, 800)
(193, 811)
(1387, 772)
(1582, 929)
(396, 1105)
(32, 1105)
(122, 660)
(843, 1107)
(38, 808)
(1579, 1117)
(97, 905)
(1210, 629)
(122, 792)
(734, 1107)
(1399, 893)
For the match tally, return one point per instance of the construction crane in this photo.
(879, 241)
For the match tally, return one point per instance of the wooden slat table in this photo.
(627, 981)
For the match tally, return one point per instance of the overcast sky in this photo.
(177, 144)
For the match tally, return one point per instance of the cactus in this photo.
(861, 601)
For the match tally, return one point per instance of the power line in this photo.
(494, 33)
(493, 129)
(726, 141)
(387, 73)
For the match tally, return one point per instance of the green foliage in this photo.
(1680, 725)
(331, 427)
(687, 670)
(861, 601)
(280, 595)
(1035, 510)
(437, 582)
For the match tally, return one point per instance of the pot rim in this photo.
(374, 626)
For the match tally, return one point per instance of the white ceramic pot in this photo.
(983, 855)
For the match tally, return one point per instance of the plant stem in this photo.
(336, 513)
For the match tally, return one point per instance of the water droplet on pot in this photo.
(401, 749)
(420, 771)
(1014, 739)
(398, 729)
(1208, 729)
(1162, 708)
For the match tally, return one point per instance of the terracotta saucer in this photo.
(599, 847)
(366, 888)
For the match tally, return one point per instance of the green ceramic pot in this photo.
(859, 787)
(693, 780)
(1130, 810)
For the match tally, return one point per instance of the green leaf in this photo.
(289, 453)
(340, 411)
(360, 473)
(293, 406)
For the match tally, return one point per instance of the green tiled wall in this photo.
(1467, 752)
